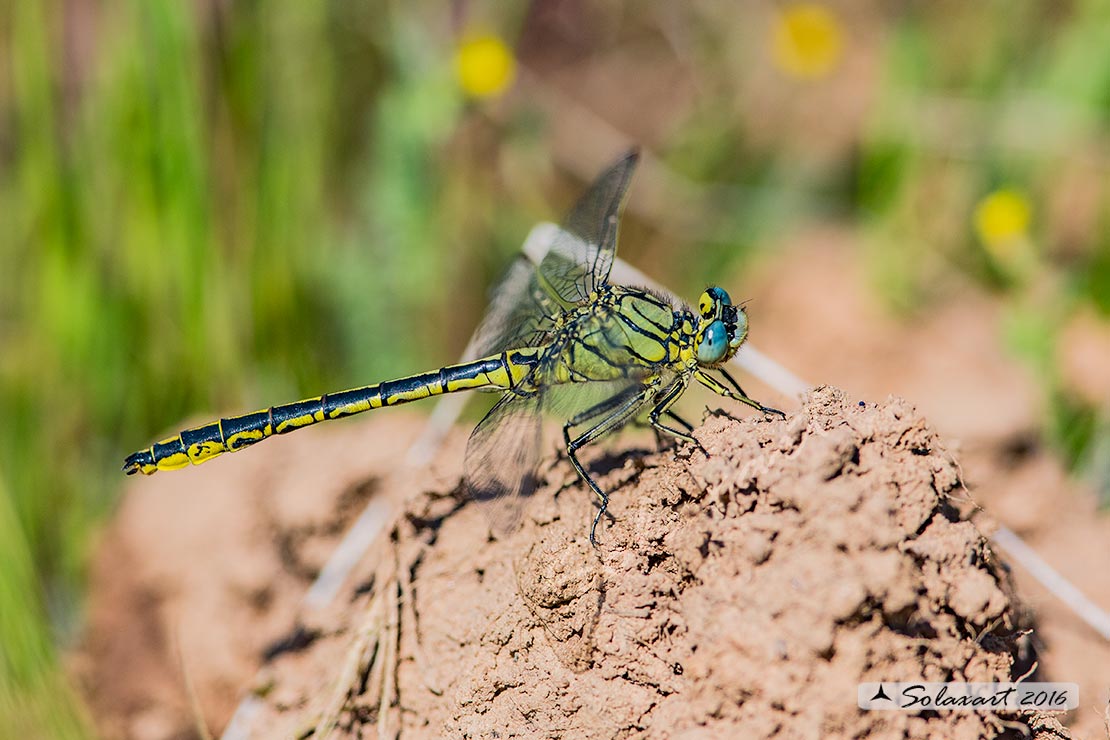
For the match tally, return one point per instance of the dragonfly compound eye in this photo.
(720, 295)
(712, 302)
(714, 344)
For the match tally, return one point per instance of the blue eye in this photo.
(713, 344)
(720, 295)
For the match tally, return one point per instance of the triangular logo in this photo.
(880, 694)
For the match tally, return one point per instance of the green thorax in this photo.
(619, 333)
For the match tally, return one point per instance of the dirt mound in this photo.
(741, 594)
(746, 592)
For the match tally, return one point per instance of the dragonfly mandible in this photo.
(558, 339)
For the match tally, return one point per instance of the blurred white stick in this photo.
(241, 724)
(1050, 578)
(350, 550)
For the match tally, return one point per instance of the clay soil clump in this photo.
(743, 592)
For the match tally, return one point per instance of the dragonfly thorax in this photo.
(722, 327)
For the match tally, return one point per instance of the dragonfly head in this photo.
(722, 329)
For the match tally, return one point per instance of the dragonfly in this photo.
(558, 339)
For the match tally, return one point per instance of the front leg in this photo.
(720, 389)
(663, 405)
(662, 429)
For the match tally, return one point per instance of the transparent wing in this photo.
(504, 449)
(519, 312)
(571, 400)
(523, 304)
(501, 459)
(582, 255)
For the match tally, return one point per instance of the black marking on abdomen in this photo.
(236, 425)
(162, 450)
(290, 411)
(201, 435)
(136, 461)
(337, 402)
(391, 389)
(504, 362)
(455, 373)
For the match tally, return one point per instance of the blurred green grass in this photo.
(189, 233)
(213, 207)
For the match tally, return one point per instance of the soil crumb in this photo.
(742, 590)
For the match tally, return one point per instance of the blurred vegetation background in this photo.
(215, 205)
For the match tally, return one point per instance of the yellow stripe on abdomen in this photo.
(202, 443)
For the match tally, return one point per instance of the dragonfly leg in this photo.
(663, 406)
(660, 441)
(597, 410)
(618, 411)
(720, 389)
(680, 421)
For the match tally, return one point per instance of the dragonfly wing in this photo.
(571, 400)
(523, 304)
(582, 254)
(587, 403)
(519, 312)
(504, 449)
(501, 459)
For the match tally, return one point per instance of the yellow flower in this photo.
(1002, 221)
(808, 40)
(485, 66)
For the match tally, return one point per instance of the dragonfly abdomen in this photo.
(199, 444)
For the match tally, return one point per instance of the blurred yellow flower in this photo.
(808, 40)
(485, 66)
(1002, 221)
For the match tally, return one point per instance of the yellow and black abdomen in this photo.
(196, 445)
